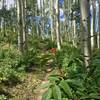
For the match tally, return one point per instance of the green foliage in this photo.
(9, 60)
(36, 43)
(76, 84)
(8, 37)
(56, 92)
(47, 95)
(35, 55)
(70, 59)
(30, 57)
(66, 88)
(77, 89)
(50, 44)
(95, 69)
(2, 97)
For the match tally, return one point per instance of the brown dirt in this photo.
(24, 91)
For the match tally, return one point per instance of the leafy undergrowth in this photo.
(20, 75)
(76, 83)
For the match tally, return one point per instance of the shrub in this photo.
(2, 97)
(9, 60)
(76, 84)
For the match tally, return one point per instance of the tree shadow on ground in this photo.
(6, 94)
(12, 81)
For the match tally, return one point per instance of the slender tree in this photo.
(21, 22)
(99, 28)
(86, 44)
(57, 25)
(52, 18)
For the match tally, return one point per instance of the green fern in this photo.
(64, 85)
(47, 95)
(57, 93)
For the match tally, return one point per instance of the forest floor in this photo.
(28, 88)
(25, 89)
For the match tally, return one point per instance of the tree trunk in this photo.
(92, 24)
(94, 36)
(99, 28)
(18, 21)
(24, 24)
(58, 26)
(22, 32)
(86, 44)
(51, 16)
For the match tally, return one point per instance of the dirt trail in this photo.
(39, 91)
(29, 88)
(25, 90)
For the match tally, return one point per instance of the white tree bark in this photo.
(57, 26)
(86, 32)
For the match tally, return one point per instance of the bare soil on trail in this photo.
(29, 88)
(25, 90)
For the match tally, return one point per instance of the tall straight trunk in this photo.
(37, 14)
(95, 33)
(18, 27)
(92, 25)
(94, 36)
(99, 28)
(69, 27)
(98, 32)
(86, 44)
(3, 18)
(58, 26)
(21, 28)
(51, 16)
(42, 21)
(74, 33)
(22, 25)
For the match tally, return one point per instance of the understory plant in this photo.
(3, 97)
(76, 83)
(9, 61)
(38, 53)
